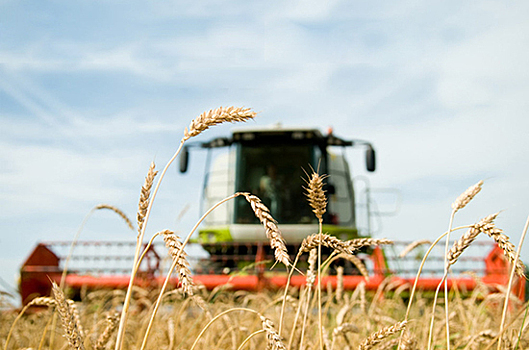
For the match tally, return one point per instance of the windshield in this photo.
(275, 174)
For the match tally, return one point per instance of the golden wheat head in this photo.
(466, 196)
(272, 231)
(316, 195)
(182, 265)
(117, 211)
(217, 116)
(69, 322)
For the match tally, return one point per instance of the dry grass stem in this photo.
(117, 211)
(69, 324)
(277, 241)
(144, 196)
(466, 196)
(217, 116)
(182, 265)
(380, 335)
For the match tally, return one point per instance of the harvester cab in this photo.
(274, 163)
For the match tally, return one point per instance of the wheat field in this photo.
(313, 316)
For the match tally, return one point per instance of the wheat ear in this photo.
(466, 196)
(348, 247)
(466, 240)
(359, 265)
(69, 324)
(42, 301)
(311, 274)
(380, 335)
(272, 231)
(112, 322)
(176, 251)
(506, 245)
(144, 196)
(358, 243)
(117, 211)
(339, 283)
(273, 338)
(217, 116)
(316, 195)
(312, 241)
(412, 246)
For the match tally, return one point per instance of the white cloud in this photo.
(487, 68)
(47, 179)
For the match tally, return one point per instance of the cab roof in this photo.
(276, 133)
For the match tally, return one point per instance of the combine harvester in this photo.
(270, 163)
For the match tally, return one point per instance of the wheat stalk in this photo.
(511, 280)
(272, 231)
(362, 292)
(69, 324)
(318, 202)
(144, 196)
(380, 335)
(457, 205)
(117, 211)
(217, 116)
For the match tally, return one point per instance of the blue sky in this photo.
(92, 92)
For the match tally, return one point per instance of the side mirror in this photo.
(184, 159)
(370, 158)
(329, 188)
